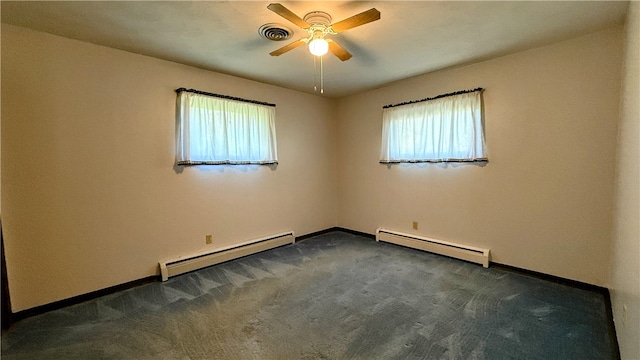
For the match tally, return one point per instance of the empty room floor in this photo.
(332, 296)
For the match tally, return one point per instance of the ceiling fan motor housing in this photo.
(318, 18)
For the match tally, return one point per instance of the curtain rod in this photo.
(433, 98)
(224, 96)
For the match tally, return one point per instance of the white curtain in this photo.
(448, 129)
(213, 130)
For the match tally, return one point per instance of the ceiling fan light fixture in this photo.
(318, 46)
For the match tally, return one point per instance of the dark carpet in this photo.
(333, 296)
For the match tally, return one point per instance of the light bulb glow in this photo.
(318, 47)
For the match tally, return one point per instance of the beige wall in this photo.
(625, 283)
(90, 198)
(544, 200)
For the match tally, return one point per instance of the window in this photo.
(447, 128)
(211, 130)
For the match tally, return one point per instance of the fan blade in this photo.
(288, 47)
(288, 14)
(356, 20)
(338, 50)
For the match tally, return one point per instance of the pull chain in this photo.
(321, 77)
(315, 82)
(315, 74)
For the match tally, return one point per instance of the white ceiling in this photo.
(411, 38)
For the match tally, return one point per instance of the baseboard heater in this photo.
(199, 260)
(458, 251)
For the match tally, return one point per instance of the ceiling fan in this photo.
(318, 25)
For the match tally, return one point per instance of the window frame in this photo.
(234, 131)
(427, 129)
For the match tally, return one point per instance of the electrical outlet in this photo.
(415, 225)
(208, 239)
